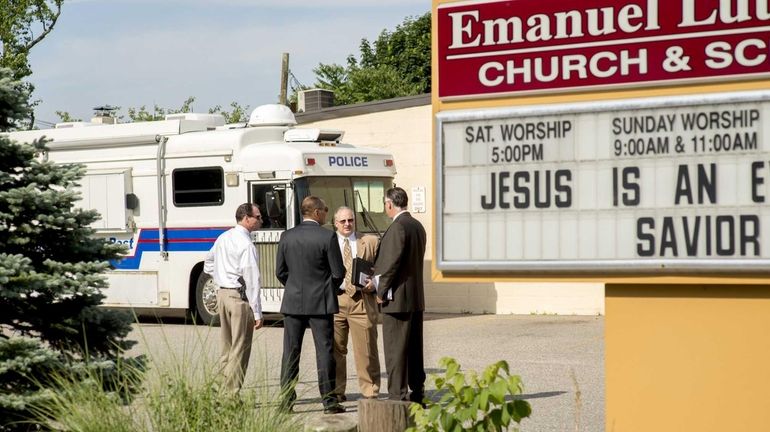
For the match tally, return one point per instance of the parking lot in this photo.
(559, 358)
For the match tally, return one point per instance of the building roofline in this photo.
(364, 108)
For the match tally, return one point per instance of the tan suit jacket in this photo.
(367, 246)
(358, 317)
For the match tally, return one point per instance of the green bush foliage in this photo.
(471, 402)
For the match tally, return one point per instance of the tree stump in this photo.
(383, 415)
(331, 423)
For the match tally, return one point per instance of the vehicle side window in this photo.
(198, 186)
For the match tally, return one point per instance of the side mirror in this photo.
(273, 204)
(132, 201)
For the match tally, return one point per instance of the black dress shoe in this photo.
(334, 409)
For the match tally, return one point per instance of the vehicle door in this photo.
(273, 200)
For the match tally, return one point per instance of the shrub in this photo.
(472, 402)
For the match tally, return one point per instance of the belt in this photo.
(230, 288)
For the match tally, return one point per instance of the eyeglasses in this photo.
(258, 217)
(343, 221)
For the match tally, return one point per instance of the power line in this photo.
(294, 82)
(45, 123)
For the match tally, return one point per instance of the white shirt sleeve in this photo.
(250, 266)
(208, 264)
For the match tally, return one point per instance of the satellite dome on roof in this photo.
(272, 115)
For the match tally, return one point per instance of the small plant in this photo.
(472, 402)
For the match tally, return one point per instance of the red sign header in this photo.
(514, 46)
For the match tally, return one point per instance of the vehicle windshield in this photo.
(354, 192)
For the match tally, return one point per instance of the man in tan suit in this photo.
(358, 312)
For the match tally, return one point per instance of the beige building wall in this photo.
(406, 133)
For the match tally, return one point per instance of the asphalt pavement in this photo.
(560, 360)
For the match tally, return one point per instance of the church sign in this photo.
(661, 184)
(505, 48)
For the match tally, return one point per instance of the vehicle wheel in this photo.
(206, 300)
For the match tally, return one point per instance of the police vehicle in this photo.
(167, 189)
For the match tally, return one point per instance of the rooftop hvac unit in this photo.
(314, 100)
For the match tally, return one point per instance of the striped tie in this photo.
(347, 260)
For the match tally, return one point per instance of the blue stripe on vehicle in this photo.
(177, 240)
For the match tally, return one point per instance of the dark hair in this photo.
(398, 197)
(243, 210)
(312, 203)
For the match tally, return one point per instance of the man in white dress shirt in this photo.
(233, 264)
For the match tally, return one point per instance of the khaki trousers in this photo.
(357, 317)
(237, 328)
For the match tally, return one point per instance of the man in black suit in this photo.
(398, 279)
(309, 265)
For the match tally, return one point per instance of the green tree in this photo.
(158, 113)
(406, 50)
(65, 116)
(24, 24)
(141, 114)
(396, 64)
(237, 114)
(51, 275)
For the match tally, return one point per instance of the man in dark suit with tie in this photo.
(309, 265)
(398, 279)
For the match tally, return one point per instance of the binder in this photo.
(361, 272)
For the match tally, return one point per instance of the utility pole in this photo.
(283, 100)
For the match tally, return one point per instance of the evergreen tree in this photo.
(51, 274)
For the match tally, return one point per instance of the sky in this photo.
(130, 53)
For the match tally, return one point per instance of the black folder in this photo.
(361, 271)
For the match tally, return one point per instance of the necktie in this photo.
(347, 260)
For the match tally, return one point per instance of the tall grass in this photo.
(83, 406)
(179, 392)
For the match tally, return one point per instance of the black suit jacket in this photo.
(399, 263)
(309, 265)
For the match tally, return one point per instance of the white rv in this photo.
(167, 189)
